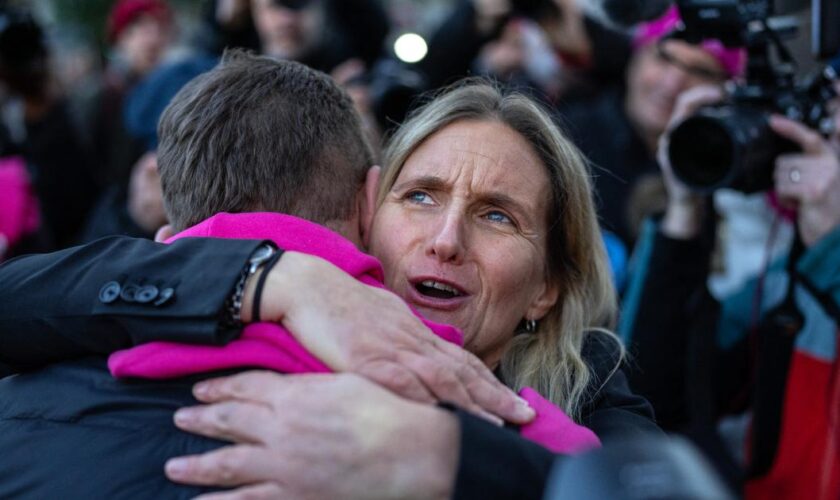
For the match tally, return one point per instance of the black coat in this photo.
(57, 306)
(71, 430)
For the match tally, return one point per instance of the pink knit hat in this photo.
(732, 60)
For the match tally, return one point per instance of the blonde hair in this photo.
(548, 360)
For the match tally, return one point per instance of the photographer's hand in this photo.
(686, 209)
(809, 181)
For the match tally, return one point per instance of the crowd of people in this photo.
(277, 262)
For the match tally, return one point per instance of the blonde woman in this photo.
(484, 196)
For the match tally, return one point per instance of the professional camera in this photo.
(732, 144)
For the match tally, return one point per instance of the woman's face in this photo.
(658, 74)
(462, 233)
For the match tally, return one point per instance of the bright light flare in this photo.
(410, 48)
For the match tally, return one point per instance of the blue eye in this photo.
(419, 197)
(496, 216)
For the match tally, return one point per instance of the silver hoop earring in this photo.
(530, 325)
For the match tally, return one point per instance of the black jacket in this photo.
(73, 431)
(59, 306)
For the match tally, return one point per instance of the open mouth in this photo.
(437, 290)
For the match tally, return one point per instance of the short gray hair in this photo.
(255, 133)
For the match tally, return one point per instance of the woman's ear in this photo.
(543, 302)
(164, 233)
(368, 208)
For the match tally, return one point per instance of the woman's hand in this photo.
(686, 209)
(809, 181)
(317, 436)
(371, 332)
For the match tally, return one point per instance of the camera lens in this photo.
(726, 146)
(702, 153)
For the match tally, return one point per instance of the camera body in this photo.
(731, 144)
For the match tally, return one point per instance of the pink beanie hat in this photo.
(732, 60)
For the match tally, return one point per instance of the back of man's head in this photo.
(256, 134)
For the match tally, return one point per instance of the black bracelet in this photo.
(269, 264)
(231, 319)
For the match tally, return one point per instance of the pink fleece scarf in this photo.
(269, 345)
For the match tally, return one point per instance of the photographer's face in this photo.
(660, 72)
(286, 33)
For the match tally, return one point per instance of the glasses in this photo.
(695, 71)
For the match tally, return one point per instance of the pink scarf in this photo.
(269, 345)
(19, 214)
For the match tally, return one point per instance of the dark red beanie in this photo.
(125, 12)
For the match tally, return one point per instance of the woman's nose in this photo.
(447, 242)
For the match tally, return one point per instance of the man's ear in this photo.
(164, 233)
(368, 203)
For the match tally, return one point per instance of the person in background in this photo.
(19, 212)
(319, 33)
(38, 128)
(139, 32)
(619, 129)
(769, 350)
(581, 45)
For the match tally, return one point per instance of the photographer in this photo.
(635, 111)
(769, 349)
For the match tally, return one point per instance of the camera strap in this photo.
(775, 338)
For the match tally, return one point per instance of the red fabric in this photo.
(807, 462)
(125, 12)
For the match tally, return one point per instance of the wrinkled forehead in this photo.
(481, 157)
(489, 151)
